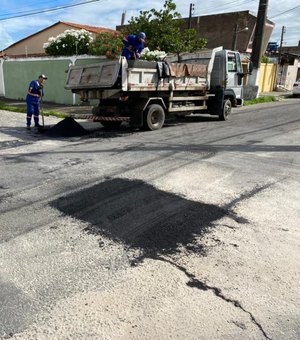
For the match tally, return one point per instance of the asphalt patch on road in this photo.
(138, 215)
(65, 128)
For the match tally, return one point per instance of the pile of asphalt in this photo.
(66, 128)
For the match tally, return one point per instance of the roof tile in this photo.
(94, 29)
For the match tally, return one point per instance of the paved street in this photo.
(188, 232)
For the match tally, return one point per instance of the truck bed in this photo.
(189, 71)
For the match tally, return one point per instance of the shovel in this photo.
(42, 112)
(42, 127)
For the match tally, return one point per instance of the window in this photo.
(231, 63)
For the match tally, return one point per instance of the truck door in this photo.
(235, 75)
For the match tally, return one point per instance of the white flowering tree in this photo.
(155, 55)
(69, 42)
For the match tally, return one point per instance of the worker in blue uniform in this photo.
(133, 46)
(33, 100)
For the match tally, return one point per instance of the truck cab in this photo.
(227, 73)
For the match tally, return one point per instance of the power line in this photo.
(25, 14)
(48, 10)
(5, 12)
(289, 10)
(225, 6)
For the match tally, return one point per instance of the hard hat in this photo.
(142, 35)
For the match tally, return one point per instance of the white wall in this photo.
(2, 87)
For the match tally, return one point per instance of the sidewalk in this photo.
(277, 94)
(66, 109)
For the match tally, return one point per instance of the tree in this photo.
(69, 42)
(163, 30)
(106, 43)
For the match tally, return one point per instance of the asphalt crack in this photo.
(196, 283)
(247, 195)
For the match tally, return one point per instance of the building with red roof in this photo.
(32, 46)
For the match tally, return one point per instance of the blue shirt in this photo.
(136, 44)
(36, 89)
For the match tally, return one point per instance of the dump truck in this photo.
(143, 93)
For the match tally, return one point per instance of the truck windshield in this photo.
(231, 63)
(234, 62)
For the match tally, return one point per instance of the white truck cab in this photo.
(227, 73)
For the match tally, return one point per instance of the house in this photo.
(291, 49)
(32, 46)
(289, 54)
(234, 30)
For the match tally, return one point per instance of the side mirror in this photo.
(250, 67)
(240, 77)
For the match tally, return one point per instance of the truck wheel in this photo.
(111, 125)
(154, 117)
(226, 110)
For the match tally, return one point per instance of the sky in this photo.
(19, 18)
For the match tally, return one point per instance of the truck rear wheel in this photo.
(226, 111)
(154, 117)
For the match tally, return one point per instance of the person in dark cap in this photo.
(33, 100)
(133, 46)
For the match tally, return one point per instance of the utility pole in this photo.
(123, 18)
(234, 37)
(258, 40)
(283, 30)
(192, 8)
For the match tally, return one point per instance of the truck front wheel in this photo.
(154, 117)
(226, 111)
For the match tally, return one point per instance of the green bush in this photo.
(109, 44)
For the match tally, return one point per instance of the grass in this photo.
(259, 100)
(22, 109)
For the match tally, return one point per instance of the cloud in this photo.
(20, 28)
(5, 38)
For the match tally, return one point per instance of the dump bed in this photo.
(187, 71)
(94, 76)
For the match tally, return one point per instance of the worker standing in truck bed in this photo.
(133, 46)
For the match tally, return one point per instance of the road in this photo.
(189, 232)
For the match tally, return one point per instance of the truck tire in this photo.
(154, 117)
(226, 111)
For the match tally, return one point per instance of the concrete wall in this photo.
(288, 74)
(267, 79)
(2, 89)
(16, 74)
(218, 29)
